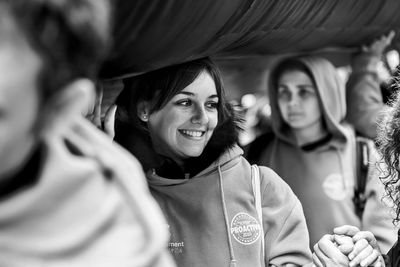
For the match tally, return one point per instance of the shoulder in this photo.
(274, 189)
(271, 179)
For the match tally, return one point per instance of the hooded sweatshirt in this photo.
(89, 205)
(322, 175)
(212, 215)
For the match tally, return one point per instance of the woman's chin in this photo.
(193, 153)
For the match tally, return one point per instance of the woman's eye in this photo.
(284, 94)
(212, 105)
(185, 102)
(305, 93)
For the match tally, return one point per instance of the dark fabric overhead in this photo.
(150, 34)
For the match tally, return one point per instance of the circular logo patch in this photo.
(334, 188)
(245, 228)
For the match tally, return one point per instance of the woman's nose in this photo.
(200, 115)
(294, 100)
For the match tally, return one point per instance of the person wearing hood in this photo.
(68, 196)
(313, 149)
(177, 122)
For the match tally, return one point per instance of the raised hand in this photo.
(378, 46)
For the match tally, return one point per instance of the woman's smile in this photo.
(192, 133)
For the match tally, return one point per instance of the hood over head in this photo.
(330, 92)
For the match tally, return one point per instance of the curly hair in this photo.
(70, 36)
(388, 143)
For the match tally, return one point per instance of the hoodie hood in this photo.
(331, 96)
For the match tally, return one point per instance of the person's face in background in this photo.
(298, 100)
(19, 100)
(184, 126)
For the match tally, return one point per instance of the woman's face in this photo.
(297, 100)
(183, 127)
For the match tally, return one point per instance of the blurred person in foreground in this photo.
(68, 196)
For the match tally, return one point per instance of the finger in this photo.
(374, 259)
(319, 256)
(363, 255)
(380, 262)
(97, 107)
(109, 120)
(346, 248)
(358, 248)
(367, 257)
(390, 36)
(367, 235)
(327, 251)
(348, 230)
(323, 260)
(316, 261)
(345, 243)
(343, 239)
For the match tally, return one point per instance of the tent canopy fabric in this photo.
(150, 34)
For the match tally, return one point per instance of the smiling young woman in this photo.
(177, 122)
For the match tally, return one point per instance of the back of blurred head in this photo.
(49, 53)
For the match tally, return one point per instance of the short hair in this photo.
(160, 86)
(70, 36)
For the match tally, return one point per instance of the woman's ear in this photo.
(143, 111)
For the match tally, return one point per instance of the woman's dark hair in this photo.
(388, 143)
(160, 86)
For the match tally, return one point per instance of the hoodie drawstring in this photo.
(232, 254)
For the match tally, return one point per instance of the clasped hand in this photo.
(347, 246)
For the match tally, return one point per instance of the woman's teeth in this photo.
(193, 133)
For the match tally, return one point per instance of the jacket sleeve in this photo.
(363, 96)
(286, 235)
(377, 216)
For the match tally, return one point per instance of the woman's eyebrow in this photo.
(186, 93)
(307, 85)
(192, 94)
